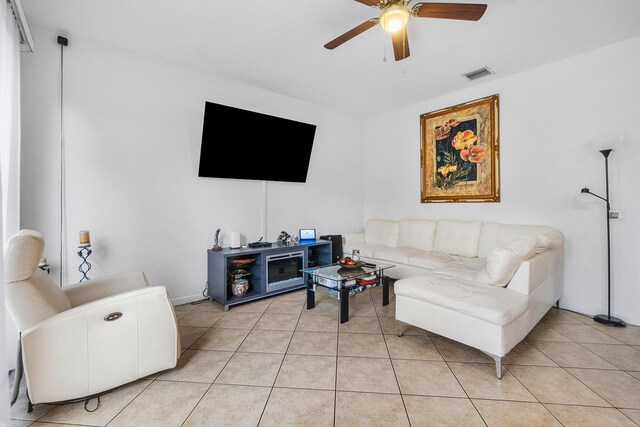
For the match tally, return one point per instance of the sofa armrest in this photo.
(82, 293)
(353, 239)
(535, 270)
(79, 352)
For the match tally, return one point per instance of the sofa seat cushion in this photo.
(499, 306)
(462, 267)
(397, 255)
(430, 260)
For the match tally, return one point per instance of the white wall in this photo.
(546, 115)
(133, 129)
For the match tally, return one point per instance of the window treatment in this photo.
(9, 166)
(10, 121)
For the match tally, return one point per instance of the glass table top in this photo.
(338, 272)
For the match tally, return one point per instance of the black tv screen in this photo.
(245, 144)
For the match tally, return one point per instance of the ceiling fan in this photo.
(395, 14)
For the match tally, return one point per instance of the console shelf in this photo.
(222, 264)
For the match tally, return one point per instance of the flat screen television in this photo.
(244, 144)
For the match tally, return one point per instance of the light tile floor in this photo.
(272, 362)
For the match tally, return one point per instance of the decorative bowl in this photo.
(239, 287)
(242, 261)
(355, 266)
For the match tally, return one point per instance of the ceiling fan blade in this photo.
(400, 44)
(464, 11)
(372, 3)
(351, 33)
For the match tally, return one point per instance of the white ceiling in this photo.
(278, 44)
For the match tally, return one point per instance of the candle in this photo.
(84, 237)
(43, 261)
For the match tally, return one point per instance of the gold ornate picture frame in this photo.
(459, 153)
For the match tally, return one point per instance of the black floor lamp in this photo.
(607, 319)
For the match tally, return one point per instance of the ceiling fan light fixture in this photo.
(394, 18)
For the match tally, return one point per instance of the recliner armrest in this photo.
(82, 293)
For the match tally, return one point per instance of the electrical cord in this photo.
(204, 295)
(62, 42)
(86, 402)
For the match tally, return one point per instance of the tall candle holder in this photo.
(83, 252)
(44, 266)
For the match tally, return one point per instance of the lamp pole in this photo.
(607, 319)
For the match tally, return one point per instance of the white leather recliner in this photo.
(84, 339)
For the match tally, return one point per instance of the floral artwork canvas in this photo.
(459, 153)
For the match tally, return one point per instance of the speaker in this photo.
(234, 240)
(336, 246)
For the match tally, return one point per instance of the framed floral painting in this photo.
(459, 154)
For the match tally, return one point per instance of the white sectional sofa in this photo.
(482, 284)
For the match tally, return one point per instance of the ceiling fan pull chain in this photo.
(384, 49)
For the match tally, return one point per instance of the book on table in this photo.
(331, 283)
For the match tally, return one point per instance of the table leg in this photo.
(385, 289)
(311, 296)
(344, 305)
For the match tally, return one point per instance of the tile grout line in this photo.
(266, 402)
(131, 401)
(395, 375)
(459, 383)
(577, 367)
(225, 365)
(564, 369)
(596, 393)
(210, 385)
(606, 360)
(532, 394)
(551, 326)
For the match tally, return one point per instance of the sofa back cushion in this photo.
(496, 235)
(504, 261)
(417, 234)
(382, 232)
(457, 238)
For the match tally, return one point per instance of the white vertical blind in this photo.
(9, 164)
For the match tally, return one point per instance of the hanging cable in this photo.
(62, 41)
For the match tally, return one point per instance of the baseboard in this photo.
(630, 319)
(186, 299)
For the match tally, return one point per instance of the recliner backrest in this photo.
(30, 294)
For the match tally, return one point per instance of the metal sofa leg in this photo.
(498, 366)
(498, 360)
(400, 328)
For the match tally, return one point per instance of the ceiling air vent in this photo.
(476, 74)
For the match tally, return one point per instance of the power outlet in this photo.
(617, 215)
